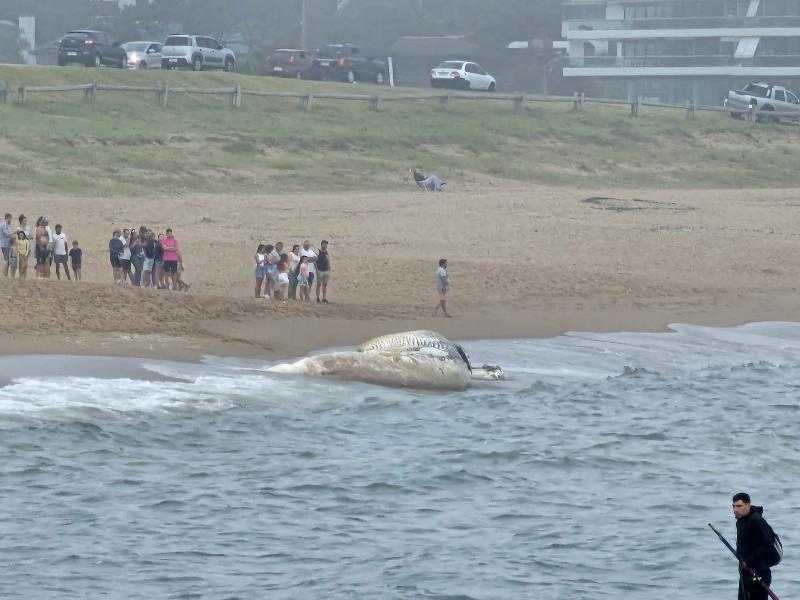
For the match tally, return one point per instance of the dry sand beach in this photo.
(524, 260)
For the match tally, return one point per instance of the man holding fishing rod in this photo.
(758, 548)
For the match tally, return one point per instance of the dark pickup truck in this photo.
(91, 48)
(344, 62)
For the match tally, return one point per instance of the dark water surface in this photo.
(576, 478)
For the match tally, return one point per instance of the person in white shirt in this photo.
(311, 255)
(442, 287)
(60, 252)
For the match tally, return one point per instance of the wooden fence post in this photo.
(22, 95)
(90, 93)
(3, 92)
(636, 104)
(752, 115)
(162, 95)
(520, 103)
(690, 110)
(375, 102)
(306, 102)
(236, 97)
(582, 99)
(576, 102)
(444, 101)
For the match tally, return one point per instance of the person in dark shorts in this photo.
(172, 256)
(60, 251)
(5, 241)
(323, 271)
(114, 250)
(76, 257)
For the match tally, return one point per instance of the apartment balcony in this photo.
(683, 61)
(680, 23)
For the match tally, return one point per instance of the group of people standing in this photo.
(292, 275)
(49, 248)
(142, 258)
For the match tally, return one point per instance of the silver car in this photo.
(143, 55)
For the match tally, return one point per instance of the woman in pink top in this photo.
(172, 255)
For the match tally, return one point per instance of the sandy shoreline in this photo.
(525, 262)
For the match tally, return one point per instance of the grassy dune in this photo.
(126, 145)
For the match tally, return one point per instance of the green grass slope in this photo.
(126, 145)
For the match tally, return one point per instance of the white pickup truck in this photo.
(764, 98)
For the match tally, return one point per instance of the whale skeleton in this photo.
(414, 359)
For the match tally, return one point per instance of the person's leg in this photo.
(66, 269)
(317, 287)
(77, 272)
(5, 261)
(325, 288)
(23, 267)
(259, 281)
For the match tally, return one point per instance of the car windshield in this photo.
(450, 64)
(332, 50)
(135, 46)
(756, 90)
(79, 35)
(281, 54)
(178, 40)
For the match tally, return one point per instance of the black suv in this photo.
(91, 48)
(287, 62)
(344, 62)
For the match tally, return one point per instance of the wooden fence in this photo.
(236, 95)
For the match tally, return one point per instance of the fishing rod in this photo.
(772, 594)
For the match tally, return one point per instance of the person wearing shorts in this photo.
(149, 263)
(172, 255)
(125, 259)
(311, 255)
(60, 252)
(76, 258)
(114, 250)
(323, 271)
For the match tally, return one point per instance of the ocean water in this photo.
(590, 473)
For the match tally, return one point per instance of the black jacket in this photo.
(753, 539)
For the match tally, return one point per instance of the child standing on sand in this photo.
(302, 279)
(24, 251)
(76, 258)
(13, 256)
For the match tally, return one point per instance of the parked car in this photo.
(196, 52)
(143, 55)
(344, 62)
(764, 98)
(289, 63)
(462, 75)
(91, 48)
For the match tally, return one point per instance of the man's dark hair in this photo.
(744, 497)
(442, 262)
(323, 242)
(169, 230)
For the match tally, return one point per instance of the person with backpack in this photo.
(758, 547)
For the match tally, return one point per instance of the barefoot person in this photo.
(24, 251)
(442, 287)
(60, 252)
(76, 258)
(172, 256)
(114, 250)
(323, 271)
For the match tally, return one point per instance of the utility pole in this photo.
(304, 24)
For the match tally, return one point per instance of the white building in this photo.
(680, 49)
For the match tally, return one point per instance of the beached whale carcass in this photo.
(413, 359)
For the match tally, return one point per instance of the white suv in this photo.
(197, 52)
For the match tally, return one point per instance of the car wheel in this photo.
(197, 64)
(379, 79)
(230, 65)
(467, 85)
(492, 87)
(62, 62)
